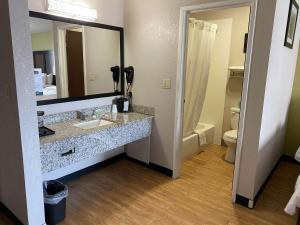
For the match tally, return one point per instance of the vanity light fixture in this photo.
(72, 10)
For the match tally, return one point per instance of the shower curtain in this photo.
(62, 62)
(201, 40)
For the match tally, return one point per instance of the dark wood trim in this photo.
(90, 24)
(292, 3)
(242, 201)
(74, 99)
(10, 214)
(153, 166)
(286, 158)
(161, 169)
(122, 46)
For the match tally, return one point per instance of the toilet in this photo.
(230, 137)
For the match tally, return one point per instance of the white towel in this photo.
(297, 156)
(294, 202)
(201, 138)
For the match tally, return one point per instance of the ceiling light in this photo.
(71, 10)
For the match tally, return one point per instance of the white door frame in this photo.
(179, 110)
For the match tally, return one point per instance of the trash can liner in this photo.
(54, 192)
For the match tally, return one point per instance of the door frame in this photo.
(180, 86)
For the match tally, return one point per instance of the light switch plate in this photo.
(167, 83)
(92, 77)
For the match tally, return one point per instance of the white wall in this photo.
(273, 69)
(20, 164)
(214, 104)
(278, 93)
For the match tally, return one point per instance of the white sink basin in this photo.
(92, 124)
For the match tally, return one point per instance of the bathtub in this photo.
(204, 134)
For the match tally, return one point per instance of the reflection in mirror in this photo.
(72, 60)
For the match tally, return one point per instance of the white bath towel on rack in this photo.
(201, 137)
(294, 202)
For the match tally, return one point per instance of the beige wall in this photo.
(42, 41)
(292, 141)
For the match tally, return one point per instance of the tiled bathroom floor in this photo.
(126, 193)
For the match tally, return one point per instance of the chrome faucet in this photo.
(81, 116)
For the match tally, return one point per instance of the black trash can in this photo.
(55, 194)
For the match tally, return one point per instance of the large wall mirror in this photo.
(75, 60)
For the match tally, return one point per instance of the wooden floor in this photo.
(126, 193)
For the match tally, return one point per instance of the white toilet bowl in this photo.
(230, 139)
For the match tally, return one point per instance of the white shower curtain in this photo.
(62, 62)
(201, 40)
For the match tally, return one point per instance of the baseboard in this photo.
(244, 201)
(10, 214)
(161, 169)
(290, 159)
(153, 166)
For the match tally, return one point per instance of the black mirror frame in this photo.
(90, 24)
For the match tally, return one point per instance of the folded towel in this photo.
(201, 138)
(294, 202)
(297, 156)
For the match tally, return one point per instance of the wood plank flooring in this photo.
(126, 193)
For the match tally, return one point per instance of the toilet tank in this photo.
(235, 118)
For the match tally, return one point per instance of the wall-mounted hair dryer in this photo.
(129, 71)
(116, 76)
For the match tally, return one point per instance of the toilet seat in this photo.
(231, 136)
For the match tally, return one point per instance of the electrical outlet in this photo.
(167, 83)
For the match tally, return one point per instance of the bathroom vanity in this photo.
(86, 61)
(76, 140)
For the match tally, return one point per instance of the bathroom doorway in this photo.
(213, 74)
(75, 63)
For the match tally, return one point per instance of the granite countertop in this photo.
(66, 130)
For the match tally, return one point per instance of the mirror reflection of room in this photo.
(73, 60)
